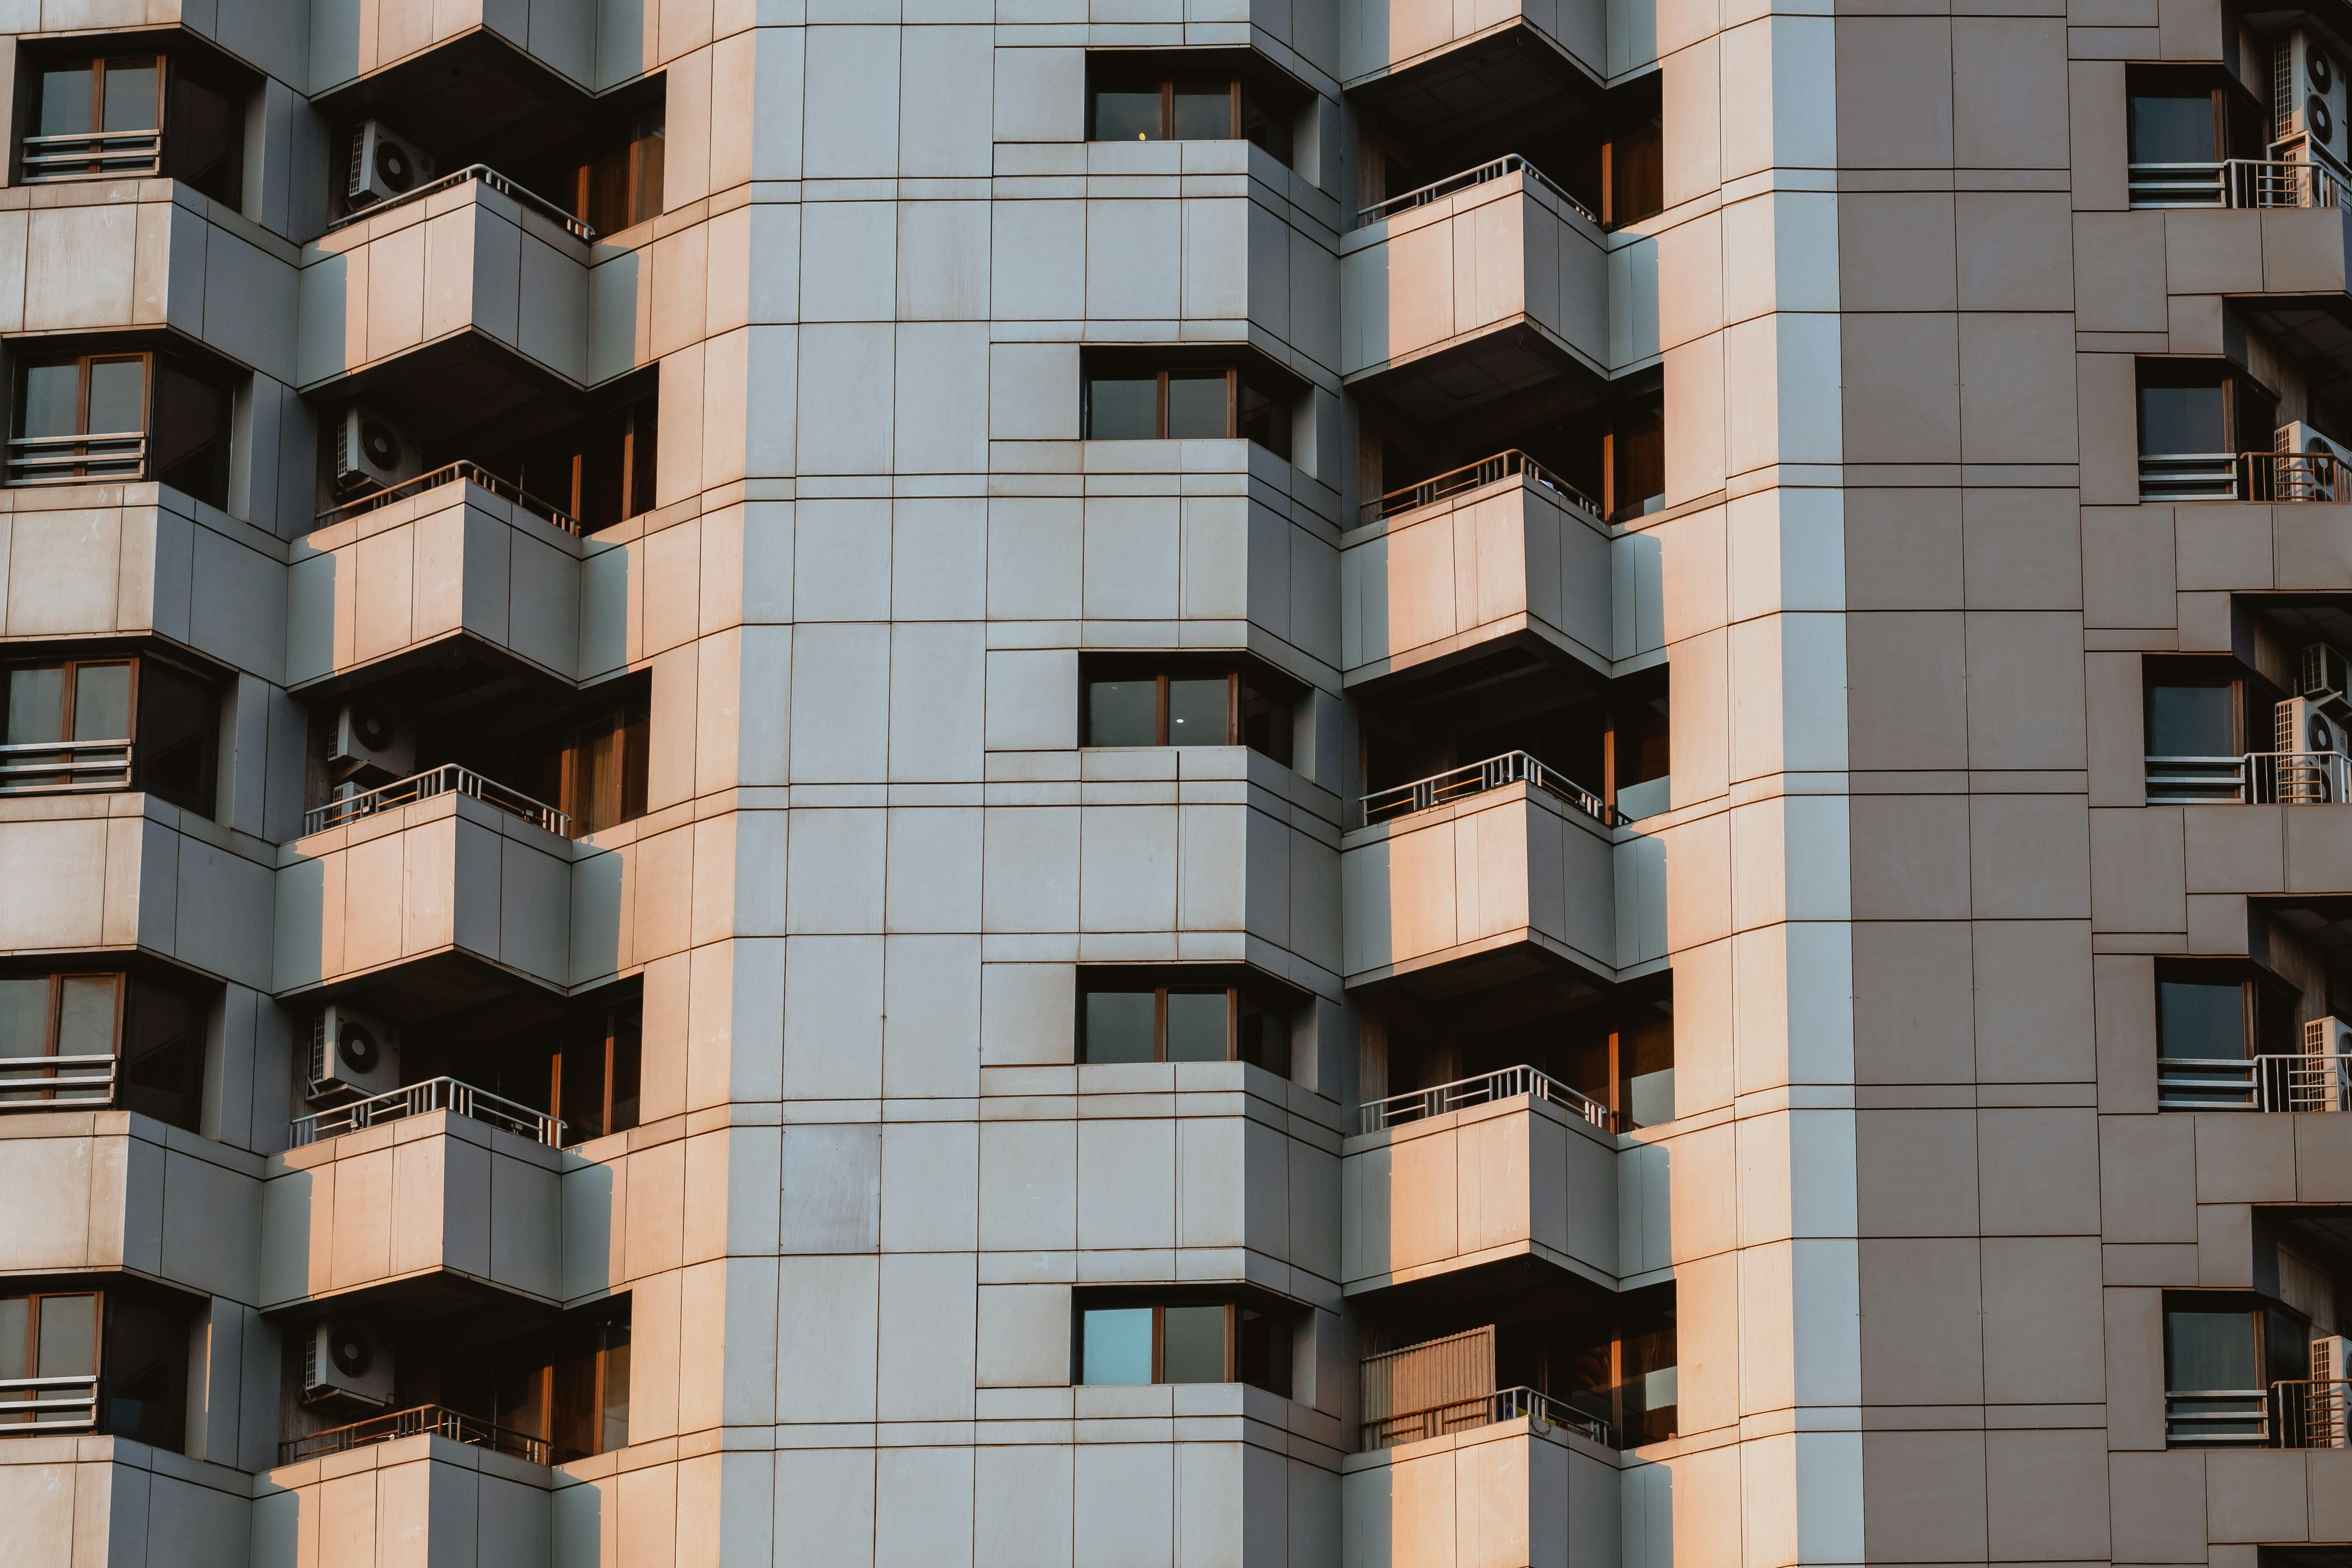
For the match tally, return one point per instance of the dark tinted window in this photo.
(2172, 128)
(2183, 418)
(179, 736)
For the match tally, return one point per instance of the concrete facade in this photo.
(1695, 574)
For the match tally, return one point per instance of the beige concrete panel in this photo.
(2009, 92)
(1706, 1314)
(2046, 1495)
(2107, 406)
(360, 1250)
(2256, 1496)
(2024, 689)
(1699, 722)
(1699, 883)
(1906, 694)
(2127, 562)
(2113, 728)
(2042, 1321)
(2222, 547)
(1902, 552)
(1894, 97)
(1915, 1292)
(63, 870)
(2017, 388)
(2245, 1159)
(2023, 551)
(1897, 251)
(80, 266)
(2027, 859)
(2323, 1154)
(2156, 1506)
(2235, 851)
(2038, 1171)
(2312, 547)
(2138, 871)
(2033, 1003)
(1913, 1007)
(2015, 248)
(2303, 252)
(1901, 384)
(1917, 1172)
(62, 572)
(2225, 1246)
(2318, 851)
(1928, 1492)
(2147, 1178)
(2119, 272)
(2212, 252)
(1910, 858)
(2329, 1486)
(2100, 121)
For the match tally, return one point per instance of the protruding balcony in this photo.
(2315, 1081)
(2258, 477)
(1491, 551)
(1500, 854)
(468, 261)
(2257, 778)
(446, 1488)
(1508, 1165)
(455, 553)
(415, 882)
(2242, 183)
(89, 1198)
(422, 1203)
(1491, 282)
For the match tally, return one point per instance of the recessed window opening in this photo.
(1170, 1015)
(110, 723)
(1126, 1342)
(119, 417)
(1130, 702)
(1190, 96)
(1127, 402)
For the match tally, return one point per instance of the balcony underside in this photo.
(2316, 329)
(1456, 92)
(466, 382)
(476, 90)
(1517, 359)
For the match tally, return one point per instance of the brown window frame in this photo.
(643, 172)
(95, 65)
(136, 778)
(1229, 1371)
(1241, 382)
(20, 1092)
(81, 433)
(1244, 685)
(619, 1021)
(9, 1425)
(631, 720)
(1238, 994)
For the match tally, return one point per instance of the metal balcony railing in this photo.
(57, 1083)
(1508, 1084)
(60, 767)
(1437, 191)
(2257, 778)
(472, 172)
(473, 473)
(432, 1094)
(1475, 475)
(2242, 476)
(2216, 1417)
(92, 155)
(66, 1403)
(446, 779)
(2274, 1082)
(1541, 1410)
(118, 458)
(2312, 1413)
(1476, 778)
(436, 1420)
(2239, 182)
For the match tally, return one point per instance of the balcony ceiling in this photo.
(1460, 92)
(2315, 331)
(1513, 362)
(464, 396)
(465, 99)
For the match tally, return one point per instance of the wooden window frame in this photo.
(1159, 1015)
(95, 65)
(82, 363)
(98, 1303)
(1166, 86)
(73, 667)
(610, 1018)
(1232, 707)
(21, 1093)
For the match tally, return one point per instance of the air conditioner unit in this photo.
(2307, 100)
(2325, 679)
(2315, 479)
(2328, 1424)
(344, 1360)
(353, 1053)
(373, 733)
(384, 165)
(370, 450)
(2311, 744)
(2321, 1085)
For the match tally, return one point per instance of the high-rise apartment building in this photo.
(904, 784)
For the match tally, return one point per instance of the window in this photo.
(86, 419)
(1129, 403)
(1132, 705)
(1142, 102)
(1641, 751)
(584, 1068)
(154, 1030)
(599, 471)
(2210, 1013)
(2213, 1381)
(2203, 406)
(617, 185)
(2175, 127)
(1189, 1341)
(1127, 1016)
(1633, 174)
(2188, 115)
(1621, 1367)
(591, 763)
(1634, 458)
(112, 723)
(567, 1386)
(127, 115)
(2193, 719)
(128, 1362)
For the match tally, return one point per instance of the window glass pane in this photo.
(178, 728)
(1197, 712)
(1119, 1027)
(2191, 722)
(1649, 1046)
(1193, 1348)
(2210, 1351)
(595, 800)
(1637, 167)
(102, 703)
(1264, 418)
(65, 100)
(36, 696)
(69, 1334)
(15, 1324)
(1122, 712)
(52, 401)
(86, 1015)
(2181, 419)
(1638, 446)
(146, 1374)
(1196, 1026)
(204, 144)
(1196, 405)
(575, 1422)
(117, 397)
(130, 95)
(24, 1015)
(628, 1031)
(161, 1071)
(651, 151)
(1115, 1345)
(522, 1397)
(1204, 112)
(582, 1107)
(1127, 114)
(2168, 128)
(1264, 1037)
(1123, 408)
(1265, 724)
(616, 1387)
(2201, 1018)
(1261, 1351)
(192, 430)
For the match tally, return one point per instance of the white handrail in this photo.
(2253, 778)
(67, 155)
(432, 1094)
(52, 767)
(489, 177)
(100, 455)
(75, 1394)
(1494, 169)
(445, 779)
(2273, 1082)
(57, 1083)
(1476, 778)
(1508, 1083)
